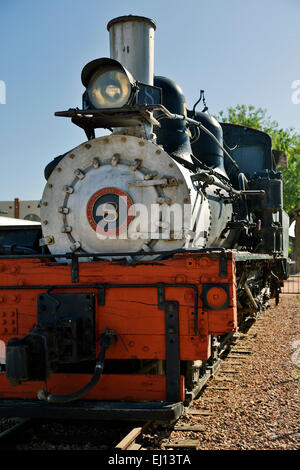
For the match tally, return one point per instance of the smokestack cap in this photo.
(126, 18)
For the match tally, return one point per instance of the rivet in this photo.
(115, 159)
(180, 279)
(158, 152)
(50, 185)
(63, 210)
(79, 174)
(141, 143)
(171, 165)
(96, 162)
(45, 203)
(45, 222)
(58, 170)
(66, 229)
(88, 146)
(68, 189)
(75, 246)
(204, 261)
(71, 155)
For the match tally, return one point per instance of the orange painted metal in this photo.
(132, 312)
(127, 387)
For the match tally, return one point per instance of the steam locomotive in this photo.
(155, 241)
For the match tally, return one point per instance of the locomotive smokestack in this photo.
(132, 44)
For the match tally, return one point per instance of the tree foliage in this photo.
(286, 140)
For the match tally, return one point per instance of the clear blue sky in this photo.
(238, 51)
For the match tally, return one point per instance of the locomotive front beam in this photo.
(76, 256)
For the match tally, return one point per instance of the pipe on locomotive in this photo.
(108, 339)
(73, 112)
(131, 40)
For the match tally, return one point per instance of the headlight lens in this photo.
(109, 87)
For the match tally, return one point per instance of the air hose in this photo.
(108, 339)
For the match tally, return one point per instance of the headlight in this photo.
(109, 88)
(108, 84)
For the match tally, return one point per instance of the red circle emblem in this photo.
(108, 211)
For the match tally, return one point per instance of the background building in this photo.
(28, 210)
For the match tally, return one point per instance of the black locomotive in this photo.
(172, 203)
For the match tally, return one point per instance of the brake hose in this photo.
(108, 339)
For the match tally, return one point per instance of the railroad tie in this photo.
(200, 412)
(183, 444)
(189, 427)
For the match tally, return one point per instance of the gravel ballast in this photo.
(257, 407)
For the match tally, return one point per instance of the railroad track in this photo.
(222, 375)
(20, 434)
(12, 430)
(232, 353)
(130, 441)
